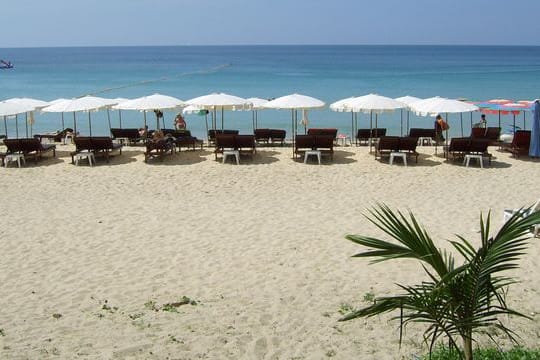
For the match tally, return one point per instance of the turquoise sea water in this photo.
(326, 72)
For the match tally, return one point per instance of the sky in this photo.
(45, 23)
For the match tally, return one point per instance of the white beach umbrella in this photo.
(407, 100)
(374, 104)
(438, 105)
(118, 101)
(219, 101)
(85, 103)
(35, 103)
(61, 100)
(13, 109)
(295, 102)
(150, 103)
(343, 106)
(256, 105)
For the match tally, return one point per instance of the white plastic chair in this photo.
(536, 207)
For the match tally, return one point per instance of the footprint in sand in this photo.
(261, 348)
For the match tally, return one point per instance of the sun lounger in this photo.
(325, 132)
(508, 213)
(99, 145)
(520, 143)
(130, 134)
(367, 135)
(269, 135)
(322, 143)
(183, 138)
(59, 136)
(159, 149)
(391, 144)
(212, 134)
(29, 147)
(244, 144)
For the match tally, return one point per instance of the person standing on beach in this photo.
(179, 122)
(440, 126)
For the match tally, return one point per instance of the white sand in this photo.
(260, 246)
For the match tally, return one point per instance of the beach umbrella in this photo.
(256, 105)
(13, 109)
(56, 102)
(118, 101)
(515, 109)
(35, 103)
(534, 149)
(295, 102)
(219, 101)
(85, 103)
(407, 100)
(150, 103)
(374, 104)
(438, 105)
(191, 109)
(342, 106)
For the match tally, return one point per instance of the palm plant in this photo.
(454, 301)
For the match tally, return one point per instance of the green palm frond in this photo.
(414, 241)
(456, 301)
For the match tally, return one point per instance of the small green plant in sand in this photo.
(455, 301)
(56, 316)
(170, 307)
(2, 332)
(345, 308)
(369, 297)
(151, 305)
(105, 306)
(517, 353)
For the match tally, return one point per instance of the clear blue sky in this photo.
(29, 23)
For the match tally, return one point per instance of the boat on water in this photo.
(6, 64)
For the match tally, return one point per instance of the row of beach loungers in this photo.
(320, 141)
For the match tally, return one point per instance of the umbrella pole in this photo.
(446, 132)
(401, 122)
(524, 126)
(206, 122)
(461, 118)
(352, 126)
(5, 126)
(144, 115)
(408, 113)
(109, 119)
(222, 118)
(292, 130)
(89, 124)
(499, 118)
(514, 127)
(253, 119)
(17, 126)
(370, 129)
(63, 127)
(356, 122)
(256, 119)
(74, 124)
(120, 118)
(471, 122)
(26, 123)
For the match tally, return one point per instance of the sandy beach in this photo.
(90, 256)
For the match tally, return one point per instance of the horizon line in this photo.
(257, 45)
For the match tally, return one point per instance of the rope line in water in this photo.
(163, 78)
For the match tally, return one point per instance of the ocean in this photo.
(329, 73)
